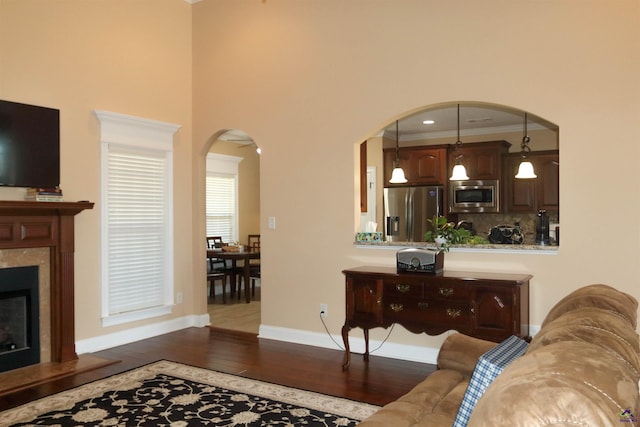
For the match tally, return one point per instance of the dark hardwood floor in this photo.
(378, 382)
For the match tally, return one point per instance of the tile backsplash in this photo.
(482, 223)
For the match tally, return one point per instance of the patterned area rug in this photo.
(172, 394)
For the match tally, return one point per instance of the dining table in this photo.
(245, 256)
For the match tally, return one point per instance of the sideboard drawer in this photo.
(403, 288)
(453, 313)
(446, 291)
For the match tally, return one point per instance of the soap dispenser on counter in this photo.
(542, 228)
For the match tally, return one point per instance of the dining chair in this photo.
(254, 244)
(211, 280)
(217, 269)
(214, 242)
(252, 240)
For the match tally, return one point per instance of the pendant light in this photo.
(525, 170)
(397, 176)
(459, 172)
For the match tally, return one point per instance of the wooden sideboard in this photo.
(490, 306)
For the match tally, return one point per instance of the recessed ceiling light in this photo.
(428, 122)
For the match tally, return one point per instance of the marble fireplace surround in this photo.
(42, 233)
(35, 257)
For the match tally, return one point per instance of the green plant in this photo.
(445, 234)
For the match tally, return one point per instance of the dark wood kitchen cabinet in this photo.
(482, 160)
(421, 165)
(483, 305)
(530, 195)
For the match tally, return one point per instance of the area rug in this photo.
(172, 394)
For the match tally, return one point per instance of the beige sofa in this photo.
(581, 369)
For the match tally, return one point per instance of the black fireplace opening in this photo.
(19, 317)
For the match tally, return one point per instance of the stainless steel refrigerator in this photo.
(407, 209)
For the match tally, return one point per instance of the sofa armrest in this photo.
(461, 353)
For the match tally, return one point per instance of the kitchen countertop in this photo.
(548, 249)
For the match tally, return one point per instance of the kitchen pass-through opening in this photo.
(19, 317)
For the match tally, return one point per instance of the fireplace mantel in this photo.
(27, 224)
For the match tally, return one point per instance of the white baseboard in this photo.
(115, 339)
(388, 349)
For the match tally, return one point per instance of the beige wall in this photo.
(130, 57)
(309, 81)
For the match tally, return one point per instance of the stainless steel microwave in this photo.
(474, 196)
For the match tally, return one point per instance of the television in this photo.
(29, 145)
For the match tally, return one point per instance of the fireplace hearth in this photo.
(42, 234)
(19, 317)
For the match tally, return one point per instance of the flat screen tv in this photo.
(29, 145)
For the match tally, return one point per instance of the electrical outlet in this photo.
(324, 310)
(179, 298)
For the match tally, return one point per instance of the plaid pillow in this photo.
(489, 366)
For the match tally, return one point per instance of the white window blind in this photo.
(222, 196)
(221, 206)
(136, 209)
(137, 217)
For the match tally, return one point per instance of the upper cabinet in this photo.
(421, 165)
(531, 195)
(482, 160)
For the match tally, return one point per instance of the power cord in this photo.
(329, 333)
(342, 348)
(384, 340)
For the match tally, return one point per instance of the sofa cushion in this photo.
(598, 296)
(433, 402)
(489, 366)
(569, 383)
(597, 326)
(461, 352)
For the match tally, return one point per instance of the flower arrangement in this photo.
(444, 234)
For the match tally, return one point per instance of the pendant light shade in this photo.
(459, 172)
(525, 170)
(397, 176)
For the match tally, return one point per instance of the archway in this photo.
(232, 212)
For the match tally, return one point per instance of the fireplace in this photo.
(28, 228)
(19, 317)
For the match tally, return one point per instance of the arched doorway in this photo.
(232, 212)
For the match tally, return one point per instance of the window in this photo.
(137, 220)
(221, 202)
(222, 196)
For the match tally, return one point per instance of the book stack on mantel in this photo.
(44, 194)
